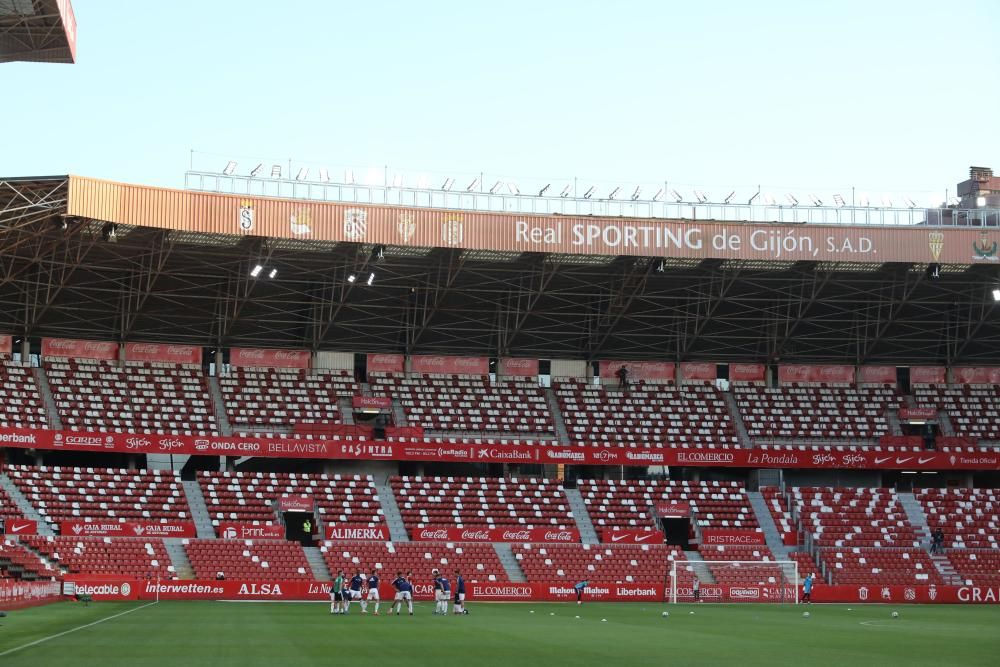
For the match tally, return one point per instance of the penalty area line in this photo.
(72, 630)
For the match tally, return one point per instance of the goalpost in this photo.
(735, 581)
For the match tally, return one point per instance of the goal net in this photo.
(734, 581)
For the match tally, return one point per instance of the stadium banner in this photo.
(698, 371)
(6, 344)
(673, 510)
(711, 536)
(258, 358)
(923, 414)
(518, 367)
(296, 504)
(18, 594)
(386, 363)
(523, 535)
(416, 449)
(14, 526)
(80, 349)
(830, 374)
(877, 375)
(438, 364)
(747, 372)
(345, 532)
(975, 375)
(270, 217)
(230, 530)
(128, 529)
(623, 536)
(637, 370)
(158, 352)
(927, 375)
(371, 402)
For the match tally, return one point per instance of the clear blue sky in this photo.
(891, 96)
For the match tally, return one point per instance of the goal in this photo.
(734, 581)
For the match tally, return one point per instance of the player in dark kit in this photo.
(404, 591)
(373, 582)
(354, 592)
(460, 594)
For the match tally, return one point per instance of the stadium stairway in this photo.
(219, 405)
(915, 513)
(582, 517)
(944, 423)
(510, 565)
(734, 413)
(946, 569)
(316, 563)
(562, 433)
(346, 407)
(766, 523)
(27, 509)
(695, 557)
(199, 511)
(892, 416)
(393, 519)
(178, 557)
(51, 410)
(398, 413)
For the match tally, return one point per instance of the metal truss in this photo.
(38, 36)
(64, 277)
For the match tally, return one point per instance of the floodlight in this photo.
(230, 168)
(542, 192)
(996, 294)
(769, 199)
(496, 186)
(473, 185)
(512, 188)
(887, 201)
(677, 196)
(276, 171)
(791, 199)
(865, 201)
(635, 193)
(397, 181)
(729, 197)
(815, 200)
(839, 201)
(700, 196)
(256, 170)
(255, 271)
(910, 203)
(324, 175)
(565, 191)
(659, 195)
(351, 278)
(448, 182)
(371, 279)
(589, 193)
(614, 192)
(378, 253)
(273, 273)
(349, 176)
(303, 173)
(109, 233)
(980, 201)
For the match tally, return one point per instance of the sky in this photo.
(881, 95)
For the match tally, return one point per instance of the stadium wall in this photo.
(17, 594)
(337, 361)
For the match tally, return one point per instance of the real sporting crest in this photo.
(406, 227)
(246, 217)
(984, 249)
(355, 224)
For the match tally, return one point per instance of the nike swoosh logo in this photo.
(922, 460)
(18, 529)
(879, 461)
(618, 538)
(642, 538)
(900, 461)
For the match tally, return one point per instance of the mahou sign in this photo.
(494, 535)
(128, 529)
(80, 349)
(249, 357)
(161, 352)
(450, 365)
(637, 370)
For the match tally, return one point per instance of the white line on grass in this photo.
(71, 630)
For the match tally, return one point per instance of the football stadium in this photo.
(283, 416)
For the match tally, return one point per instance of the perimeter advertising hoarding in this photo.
(590, 235)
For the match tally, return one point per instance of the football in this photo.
(805, 614)
(895, 614)
(666, 614)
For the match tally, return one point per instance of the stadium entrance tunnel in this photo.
(300, 526)
(677, 531)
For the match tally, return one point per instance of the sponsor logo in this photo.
(765, 458)
(909, 594)
(983, 248)
(502, 591)
(923, 460)
(853, 460)
(176, 588)
(146, 348)
(273, 590)
(604, 455)
(564, 455)
(824, 459)
(245, 216)
(168, 444)
(355, 224)
(84, 440)
(23, 438)
(179, 351)
(516, 536)
(879, 461)
(476, 535)
(452, 231)
(978, 594)
(201, 445)
(561, 536)
(744, 593)
(17, 526)
(932, 592)
(648, 457)
(405, 227)
(935, 241)
(371, 534)
(901, 460)
(136, 443)
(706, 457)
(505, 455)
(863, 593)
(299, 222)
(103, 589)
(289, 355)
(618, 538)
(230, 534)
(250, 355)
(436, 534)
(126, 588)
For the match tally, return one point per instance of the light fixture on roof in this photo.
(273, 273)
(887, 201)
(371, 279)
(677, 196)
(954, 201)
(255, 271)
(275, 171)
(816, 201)
(303, 174)
(230, 168)
(109, 233)
(349, 176)
(636, 192)
(423, 181)
(589, 193)
(910, 203)
(839, 201)
(378, 253)
(659, 195)
(351, 278)
(701, 197)
(496, 187)
(614, 192)
(980, 201)
(256, 170)
(565, 191)
(473, 185)
(996, 294)
(769, 199)
(448, 182)
(324, 175)
(512, 188)
(397, 181)
(541, 193)
(865, 201)
(791, 199)
(728, 198)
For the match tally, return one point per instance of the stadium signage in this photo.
(709, 536)
(371, 402)
(976, 375)
(747, 372)
(6, 344)
(637, 370)
(927, 375)
(80, 349)
(253, 357)
(296, 504)
(698, 371)
(349, 533)
(128, 529)
(16, 593)
(20, 527)
(877, 375)
(428, 450)
(386, 363)
(449, 365)
(918, 413)
(623, 536)
(516, 367)
(157, 352)
(799, 373)
(523, 535)
(250, 531)
(673, 510)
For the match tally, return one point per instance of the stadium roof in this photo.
(37, 31)
(93, 259)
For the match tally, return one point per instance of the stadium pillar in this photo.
(25, 349)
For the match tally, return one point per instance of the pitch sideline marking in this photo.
(71, 630)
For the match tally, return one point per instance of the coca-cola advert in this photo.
(623, 536)
(163, 353)
(386, 363)
(699, 370)
(296, 504)
(250, 531)
(512, 534)
(927, 375)
(518, 367)
(877, 375)
(800, 373)
(661, 371)
(6, 344)
(437, 364)
(715, 536)
(12, 526)
(80, 349)
(371, 402)
(128, 529)
(345, 532)
(673, 510)
(257, 358)
(975, 375)
(747, 372)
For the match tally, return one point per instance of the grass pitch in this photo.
(219, 634)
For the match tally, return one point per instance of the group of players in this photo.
(344, 591)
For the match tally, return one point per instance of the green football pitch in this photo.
(219, 634)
